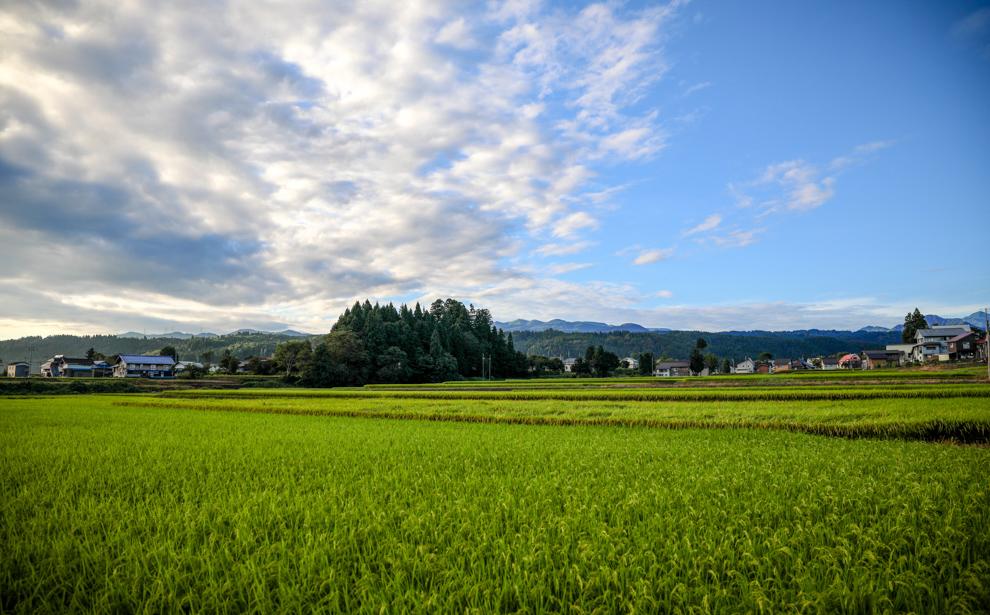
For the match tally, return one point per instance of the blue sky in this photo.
(690, 165)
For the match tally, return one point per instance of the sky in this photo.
(206, 166)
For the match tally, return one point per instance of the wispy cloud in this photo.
(647, 257)
(737, 238)
(562, 249)
(664, 294)
(569, 225)
(697, 87)
(708, 224)
(798, 185)
(562, 268)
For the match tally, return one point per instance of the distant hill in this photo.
(567, 326)
(178, 335)
(678, 344)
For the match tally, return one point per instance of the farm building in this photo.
(962, 347)
(877, 359)
(61, 366)
(18, 369)
(830, 363)
(667, 369)
(144, 366)
(569, 365)
(850, 361)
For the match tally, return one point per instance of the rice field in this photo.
(497, 500)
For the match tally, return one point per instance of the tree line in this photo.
(374, 343)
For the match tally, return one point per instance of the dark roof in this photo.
(960, 338)
(947, 332)
(75, 361)
(147, 359)
(829, 361)
(669, 364)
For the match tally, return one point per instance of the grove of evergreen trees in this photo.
(384, 344)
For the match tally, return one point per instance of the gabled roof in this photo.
(670, 364)
(849, 357)
(147, 359)
(75, 361)
(943, 332)
(963, 336)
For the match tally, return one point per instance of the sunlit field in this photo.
(866, 497)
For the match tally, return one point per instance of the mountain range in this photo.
(581, 326)
(178, 335)
(976, 319)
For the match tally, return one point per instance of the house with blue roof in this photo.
(144, 366)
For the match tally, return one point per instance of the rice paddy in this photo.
(515, 499)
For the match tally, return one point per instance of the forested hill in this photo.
(38, 349)
(678, 344)
(675, 344)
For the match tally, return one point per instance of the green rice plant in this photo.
(958, 419)
(161, 509)
(806, 393)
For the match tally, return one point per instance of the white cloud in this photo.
(570, 224)
(562, 249)
(562, 268)
(664, 294)
(276, 161)
(457, 34)
(708, 224)
(697, 87)
(647, 257)
(737, 238)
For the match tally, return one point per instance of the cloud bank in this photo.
(197, 164)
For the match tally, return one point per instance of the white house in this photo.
(932, 344)
(569, 364)
(745, 367)
(630, 363)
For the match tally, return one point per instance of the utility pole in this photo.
(986, 337)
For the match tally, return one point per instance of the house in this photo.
(61, 366)
(932, 344)
(780, 366)
(144, 366)
(850, 361)
(668, 369)
(569, 365)
(18, 369)
(182, 366)
(878, 359)
(906, 350)
(963, 347)
(744, 367)
(830, 363)
(630, 363)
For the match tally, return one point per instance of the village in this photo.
(935, 344)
